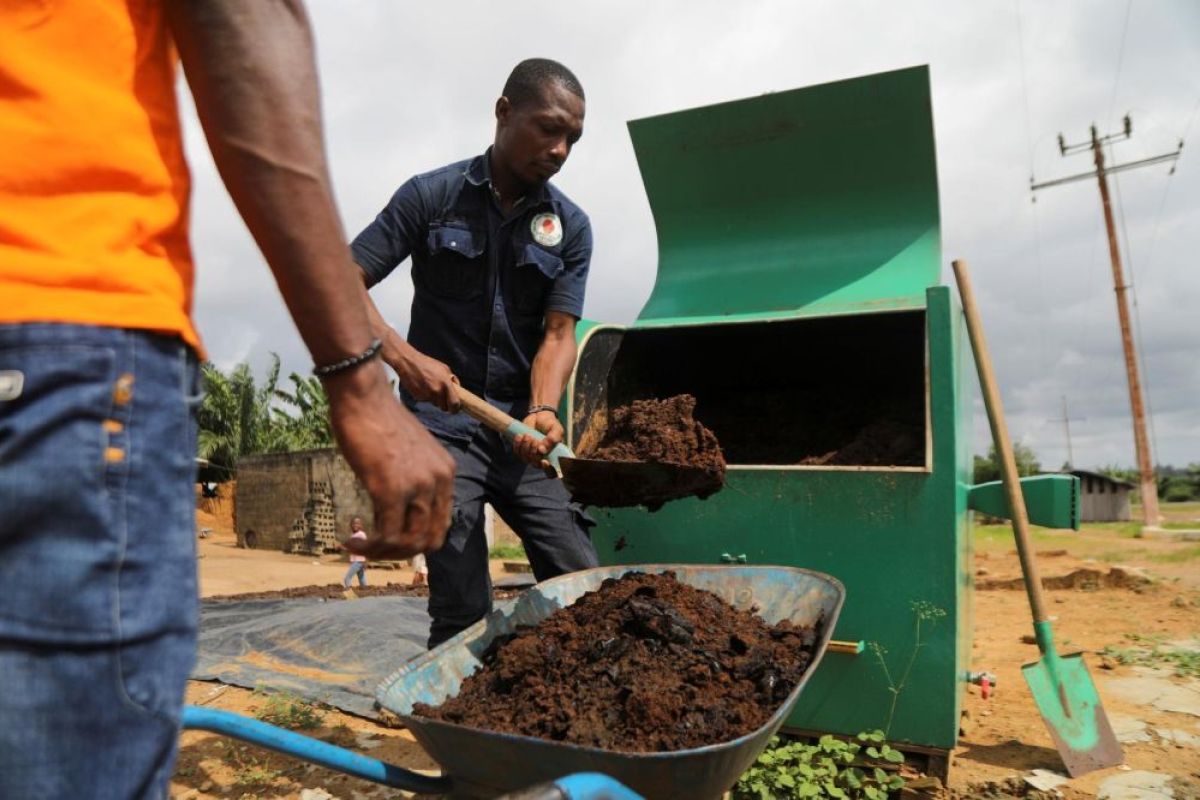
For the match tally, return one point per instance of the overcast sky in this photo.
(408, 87)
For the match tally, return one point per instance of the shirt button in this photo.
(495, 350)
(497, 306)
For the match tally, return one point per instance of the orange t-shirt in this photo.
(93, 182)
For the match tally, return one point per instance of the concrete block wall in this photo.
(279, 493)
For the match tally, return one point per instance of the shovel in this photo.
(595, 482)
(1061, 685)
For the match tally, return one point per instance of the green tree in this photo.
(308, 425)
(1120, 473)
(988, 469)
(239, 417)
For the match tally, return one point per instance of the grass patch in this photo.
(1150, 651)
(1181, 526)
(1125, 530)
(1119, 556)
(288, 711)
(1003, 534)
(508, 551)
(1177, 557)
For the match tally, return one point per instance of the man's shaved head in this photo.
(528, 78)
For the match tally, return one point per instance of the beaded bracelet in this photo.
(542, 407)
(349, 363)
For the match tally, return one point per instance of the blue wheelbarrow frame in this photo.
(489, 764)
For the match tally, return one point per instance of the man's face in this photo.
(534, 139)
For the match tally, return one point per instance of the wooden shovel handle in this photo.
(1004, 449)
(475, 406)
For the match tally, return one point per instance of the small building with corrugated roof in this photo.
(1103, 498)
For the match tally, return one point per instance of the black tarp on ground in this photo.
(334, 652)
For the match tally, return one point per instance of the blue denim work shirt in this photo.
(483, 282)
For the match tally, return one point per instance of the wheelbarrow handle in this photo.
(476, 407)
(312, 750)
(580, 786)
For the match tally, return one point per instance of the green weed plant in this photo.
(923, 612)
(829, 767)
(288, 711)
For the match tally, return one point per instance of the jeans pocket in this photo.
(55, 459)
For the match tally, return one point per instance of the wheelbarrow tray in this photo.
(486, 763)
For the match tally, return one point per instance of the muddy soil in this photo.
(644, 664)
(1085, 578)
(660, 431)
(336, 591)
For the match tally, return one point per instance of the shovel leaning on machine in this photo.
(1061, 685)
(596, 482)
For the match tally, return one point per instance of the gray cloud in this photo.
(407, 88)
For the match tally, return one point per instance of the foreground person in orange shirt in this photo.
(98, 360)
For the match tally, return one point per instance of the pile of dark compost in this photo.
(660, 432)
(643, 664)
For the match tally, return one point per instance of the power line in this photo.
(1120, 61)
(1037, 242)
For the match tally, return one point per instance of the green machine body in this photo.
(798, 298)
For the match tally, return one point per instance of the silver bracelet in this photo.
(349, 363)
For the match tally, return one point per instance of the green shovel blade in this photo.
(1071, 709)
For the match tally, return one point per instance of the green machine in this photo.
(798, 299)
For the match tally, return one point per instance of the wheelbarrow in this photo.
(479, 763)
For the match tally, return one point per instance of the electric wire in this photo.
(1120, 61)
(1043, 338)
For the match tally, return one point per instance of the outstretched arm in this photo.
(252, 71)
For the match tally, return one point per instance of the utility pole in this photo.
(1149, 485)
(1066, 420)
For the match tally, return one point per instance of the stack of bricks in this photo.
(315, 532)
(322, 522)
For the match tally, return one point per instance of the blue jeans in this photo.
(554, 530)
(358, 568)
(97, 465)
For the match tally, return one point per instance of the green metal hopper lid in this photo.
(816, 200)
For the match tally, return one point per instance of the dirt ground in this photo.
(1003, 736)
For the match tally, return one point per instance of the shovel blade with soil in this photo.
(652, 452)
(646, 453)
(619, 484)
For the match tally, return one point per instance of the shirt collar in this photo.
(479, 173)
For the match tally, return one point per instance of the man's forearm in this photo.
(252, 71)
(553, 363)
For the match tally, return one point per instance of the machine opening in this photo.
(821, 393)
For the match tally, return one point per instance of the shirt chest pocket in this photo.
(535, 272)
(457, 264)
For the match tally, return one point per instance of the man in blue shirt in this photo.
(499, 264)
